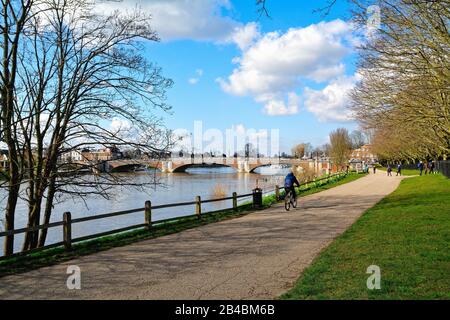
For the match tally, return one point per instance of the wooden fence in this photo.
(148, 208)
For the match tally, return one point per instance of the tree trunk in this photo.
(48, 211)
(13, 194)
(31, 237)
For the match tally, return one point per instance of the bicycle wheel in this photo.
(294, 202)
(287, 202)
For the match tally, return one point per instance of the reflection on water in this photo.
(175, 187)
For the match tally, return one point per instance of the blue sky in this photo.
(294, 80)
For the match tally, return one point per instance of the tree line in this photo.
(341, 143)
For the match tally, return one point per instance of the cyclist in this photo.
(289, 184)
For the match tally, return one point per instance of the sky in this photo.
(233, 67)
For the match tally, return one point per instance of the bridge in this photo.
(248, 165)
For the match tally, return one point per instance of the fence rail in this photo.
(148, 222)
(443, 167)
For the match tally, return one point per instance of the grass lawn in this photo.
(407, 235)
(17, 264)
(405, 172)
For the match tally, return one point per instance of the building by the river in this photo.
(362, 155)
(105, 154)
(365, 154)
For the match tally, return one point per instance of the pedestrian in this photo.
(399, 169)
(389, 170)
(430, 167)
(420, 166)
(374, 169)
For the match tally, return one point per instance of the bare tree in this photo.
(301, 149)
(14, 16)
(406, 72)
(298, 151)
(403, 97)
(79, 71)
(262, 8)
(340, 146)
(358, 139)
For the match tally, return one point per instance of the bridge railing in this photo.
(148, 208)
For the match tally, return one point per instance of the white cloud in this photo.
(244, 36)
(182, 19)
(331, 103)
(120, 126)
(250, 133)
(277, 107)
(199, 72)
(195, 80)
(273, 65)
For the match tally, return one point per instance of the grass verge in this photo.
(52, 256)
(407, 235)
(405, 172)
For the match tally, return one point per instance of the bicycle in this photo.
(290, 200)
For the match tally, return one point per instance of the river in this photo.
(171, 188)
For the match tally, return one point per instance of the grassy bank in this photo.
(407, 235)
(315, 187)
(56, 255)
(405, 172)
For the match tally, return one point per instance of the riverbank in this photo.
(159, 188)
(56, 255)
(258, 256)
(406, 234)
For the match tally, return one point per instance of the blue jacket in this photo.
(290, 180)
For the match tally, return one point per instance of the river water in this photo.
(171, 188)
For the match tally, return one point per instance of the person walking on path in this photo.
(430, 167)
(389, 170)
(374, 169)
(399, 169)
(420, 166)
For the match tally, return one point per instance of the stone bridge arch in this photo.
(239, 164)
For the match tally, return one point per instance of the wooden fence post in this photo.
(67, 230)
(234, 201)
(198, 206)
(277, 192)
(148, 214)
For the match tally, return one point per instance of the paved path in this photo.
(258, 256)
